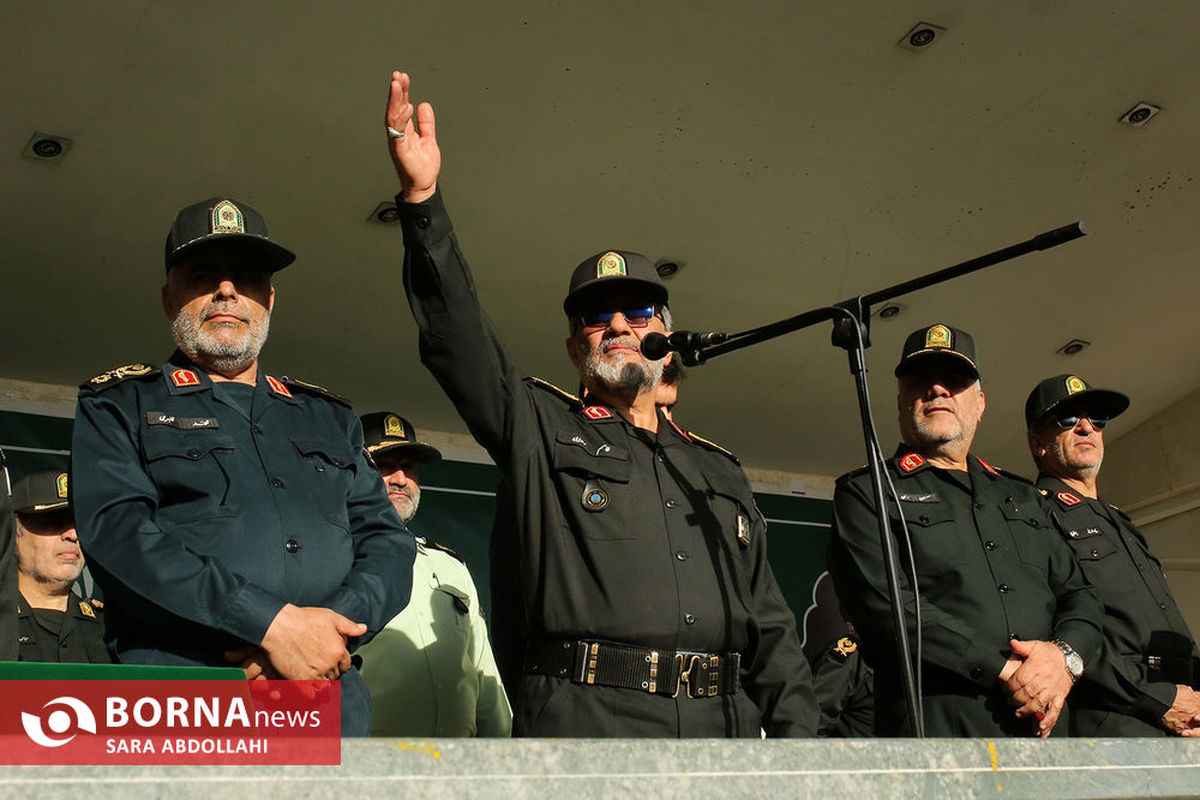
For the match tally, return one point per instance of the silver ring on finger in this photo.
(394, 134)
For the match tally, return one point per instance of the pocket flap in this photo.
(574, 453)
(338, 454)
(193, 445)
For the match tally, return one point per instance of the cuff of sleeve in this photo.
(426, 221)
(250, 613)
(1084, 639)
(984, 667)
(1157, 700)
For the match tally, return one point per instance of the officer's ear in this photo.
(271, 300)
(573, 350)
(167, 303)
(982, 405)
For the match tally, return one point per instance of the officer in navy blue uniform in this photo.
(631, 593)
(1144, 682)
(230, 515)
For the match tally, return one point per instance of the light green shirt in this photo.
(430, 671)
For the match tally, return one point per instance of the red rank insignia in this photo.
(911, 462)
(597, 412)
(278, 387)
(185, 377)
(1069, 498)
(680, 430)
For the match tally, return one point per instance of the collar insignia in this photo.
(278, 387)
(86, 609)
(610, 264)
(185, 377)
(597, 412)
(911, 462)
(1069, 498)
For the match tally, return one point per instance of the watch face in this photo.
(1075, 664)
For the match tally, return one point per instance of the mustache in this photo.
(625, 341)
(216, 309)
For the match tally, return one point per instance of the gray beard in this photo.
(628, 378)
(227, 358)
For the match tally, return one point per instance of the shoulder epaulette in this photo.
(444, 549)
(319, 391)
(107, 380)
(713, 446)
(554, 390)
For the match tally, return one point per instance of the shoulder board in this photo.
(562, 394)
(700, 440)
(434, 545)
(107, 380)
(319, 391)
(96, 603)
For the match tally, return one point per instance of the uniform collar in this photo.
(1057, 490)
(594, 410)
(909, 462)
(182, 376)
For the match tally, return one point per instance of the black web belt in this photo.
(673, 673)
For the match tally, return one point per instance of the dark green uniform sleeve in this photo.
(857, 567)
(458, 343)
(115, 517)
(779, 680)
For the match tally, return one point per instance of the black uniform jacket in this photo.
(1147, 645)
(990, 567)
(606, 531)
(79, 639)
(201, 520)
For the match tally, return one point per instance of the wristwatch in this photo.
(1074, 660)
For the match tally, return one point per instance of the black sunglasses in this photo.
(636, 317)
(1069, 422)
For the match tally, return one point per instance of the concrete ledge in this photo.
(575, 769)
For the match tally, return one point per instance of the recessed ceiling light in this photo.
(667, 268)
(921, 35)
(1072, 347)
(46, 147)
(385, 213)
(1140, 114)
(890, 311)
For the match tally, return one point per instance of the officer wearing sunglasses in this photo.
(631, 594)
(1143, 683)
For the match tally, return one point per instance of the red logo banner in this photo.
(170, 722)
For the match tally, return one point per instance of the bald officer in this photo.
(430, 670)
(1007, 616)
(1144, 683)
(229, 514)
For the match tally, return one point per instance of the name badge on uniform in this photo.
(182, 423)
(928, 497)
(743, 531)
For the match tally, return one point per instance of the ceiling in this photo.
(788, 154)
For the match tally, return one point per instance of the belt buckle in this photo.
(1154, 662)
(700, 685)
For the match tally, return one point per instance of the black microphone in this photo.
(656, 345)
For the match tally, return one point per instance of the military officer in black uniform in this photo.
(8, 568)
(1143, 684)
(228, 513)
(56, 624)
(631, 590)
(1007, 614)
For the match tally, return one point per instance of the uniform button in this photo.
(989, 544)
(978, 505)
(671, 504)
(277, 482)
(1003, 588)
(1034, 523)
(681, 555)
(422, 222)
(976, 671)
(292, 546)
(1095, 552)
(1163, 606)
(193, 453)
(256, 428)
(337, 462)
(661, 457)
(924, 519)
(690, 619)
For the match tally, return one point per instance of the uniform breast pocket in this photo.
(1030, 531)
(592, 479)
(328, 468)
(1091, 549)
(192, 471)
(451, 608)
(932, 529)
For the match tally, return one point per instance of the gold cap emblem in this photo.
(937, 336)
(60, 485)
(394, 426)
(1075, 385)
(610, 264)
(227, 218)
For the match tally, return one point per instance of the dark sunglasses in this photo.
(635, 317)
(1069, 422)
